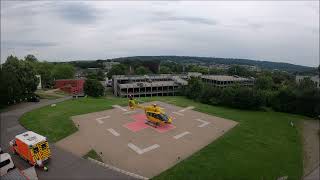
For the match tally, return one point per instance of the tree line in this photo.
(19, 81)
(268, 92)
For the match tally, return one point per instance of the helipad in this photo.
(125, 142)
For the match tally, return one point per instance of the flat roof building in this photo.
(224, 81)
(148, 85)
(168, 84)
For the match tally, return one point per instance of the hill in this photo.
(229, 61)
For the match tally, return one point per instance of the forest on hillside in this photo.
(266, 65)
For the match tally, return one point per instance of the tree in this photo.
(63, 71)
(17, 80)
(306, 83)
(93, 87)
(91, 75)
(239, 71)
(264, 83)
(194, 88)
(96, 75)
(200, 69)
(141, 70)
(31, 58)
(118, 69)
(44, 69)
(100, 76)
(165, 70)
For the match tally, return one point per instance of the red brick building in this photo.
(71, 86)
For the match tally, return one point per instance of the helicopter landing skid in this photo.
(151, 124)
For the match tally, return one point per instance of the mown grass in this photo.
(262, 146)
(93, 155)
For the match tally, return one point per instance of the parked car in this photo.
(6, 163)
(34, 98)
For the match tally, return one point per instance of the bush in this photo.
(93, 87)
(235, 96)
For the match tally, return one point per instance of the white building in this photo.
(315, 79)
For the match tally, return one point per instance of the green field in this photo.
(262, 146)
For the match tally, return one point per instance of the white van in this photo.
(6, 163)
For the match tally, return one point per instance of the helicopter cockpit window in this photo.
(163, 117)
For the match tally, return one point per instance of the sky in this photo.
(279, 31)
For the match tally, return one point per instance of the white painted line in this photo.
(105, 117)
(181, 135)
(141, 151)
(99, 121)
(118, 169)
(178, 113)
(129, 112)
(119, 107)
(204, 123)
(187, 108)
(112, 131)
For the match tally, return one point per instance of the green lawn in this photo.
(93, 155)
(262, 146)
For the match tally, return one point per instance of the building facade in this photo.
(168, 84)
(71, 86)
(224, 81)
(148, 85)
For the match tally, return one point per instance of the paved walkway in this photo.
(314, 175)
(63, 165)
(311, 144)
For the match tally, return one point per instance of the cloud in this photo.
(77, 13)
(65, 30)
(167, 16)
(30, 43)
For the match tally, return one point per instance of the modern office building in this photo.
(224, 81)
(148, 85)
(168, 84)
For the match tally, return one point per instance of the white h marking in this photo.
(119, 107)
(112, 131)
(99, 120)
(204, 123)
(181, 135)
(105, 117)
(129, 112)
(178, 113)
(141, 151)
(187, 108)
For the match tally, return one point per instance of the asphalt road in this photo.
(63, 165)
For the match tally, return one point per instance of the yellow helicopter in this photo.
(155, 114)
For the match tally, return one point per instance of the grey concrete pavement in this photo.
(148, 151)
(314, 175)
(63, 165)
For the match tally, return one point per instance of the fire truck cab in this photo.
(32, 147)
